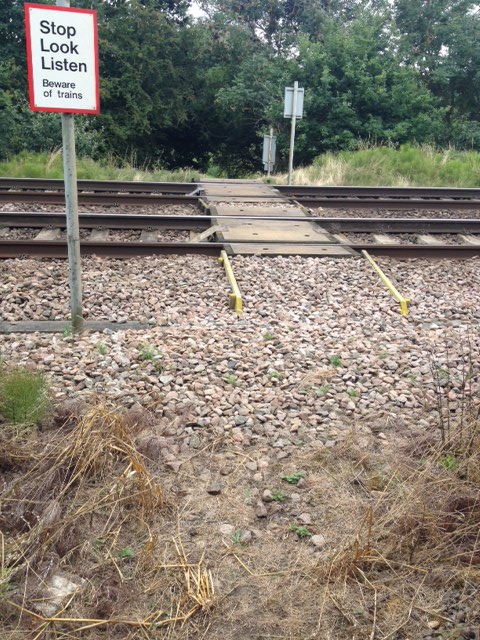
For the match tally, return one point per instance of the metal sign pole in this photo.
(71, 208)
(270, 152)
(292, 132)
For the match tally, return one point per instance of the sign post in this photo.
(63, 77)
(269, 151)
(293, 109)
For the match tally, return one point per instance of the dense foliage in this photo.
(183, 91)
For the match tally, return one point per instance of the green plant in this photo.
(68, 331)
(101, 348)
(294, 478)
(248, 496)
(449, 462)
(275, 375)
(237, 537)
(336, 361)
(279, 496)
(99, 543)
(147, 352)
(321, 391)
(232, 379)
(24, 395)
(353, 393)
(268, 336)
(302, 532)
(383, 355)
(127, 552)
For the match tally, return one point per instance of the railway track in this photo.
(116, 193)
(432, 237)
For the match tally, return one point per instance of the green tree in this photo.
(441, 39)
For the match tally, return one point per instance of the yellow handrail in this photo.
(235, 296)
(390, 286)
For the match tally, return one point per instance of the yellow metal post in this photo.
(390, 286)
(235, 296)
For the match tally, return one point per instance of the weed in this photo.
(68, 331)
(302, 532)
(24, 395)
(147, 352)
(99, 543)
(449, 462)
(127, 552)
(268, 336)
(294, 478)
(321, 391)
(336, 361)
(101, 348)
(279, 496)
(237, 537)
(232, 379)
(353, 393)
(275, 375)
(248, 496)
(383, 355)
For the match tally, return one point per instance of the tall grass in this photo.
(409, 165)
(24, 395)
(50, 165)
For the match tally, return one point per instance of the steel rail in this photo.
(101, 199)
(104, 220)
(141, 199)
(385, 203)
(375, 192)
(115, 186)
(58, 249)
(133, 186)
(143, 221)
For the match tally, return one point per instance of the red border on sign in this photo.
(29, 5)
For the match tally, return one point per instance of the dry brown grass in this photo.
(85, 508)
(401, 520)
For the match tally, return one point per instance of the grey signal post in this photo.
(295, 110)
(269, 151)
(71, 208)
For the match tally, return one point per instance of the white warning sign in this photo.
(62, 55)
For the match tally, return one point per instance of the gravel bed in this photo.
(22, 233)
(159, 210)
(321, 347)
(395, 213)
(117, 235)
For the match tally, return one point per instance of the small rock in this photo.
(227, 529)
(214, 489)
(305, 518)
(226, 470)
(245, 536)
(251, 465)
(261, 510)
(318, 540)
(433, 624)
(267, 496)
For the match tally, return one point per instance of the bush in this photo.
(24, 395)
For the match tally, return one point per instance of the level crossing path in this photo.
(262, 237)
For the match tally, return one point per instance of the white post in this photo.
(270, 144)
(71, 208)
(292, 132)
